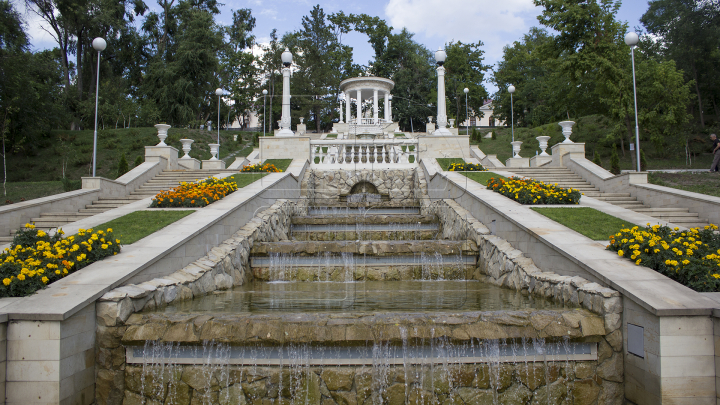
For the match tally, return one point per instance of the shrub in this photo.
(37, 259)
(691, 257)
(527, 191)
(643, 161)
(122, 166)
(493, 137)
(466, 167)
(138, 161)
(597, 160)
(70, 185)
(614, 161)
(267, 167)
(198, 194)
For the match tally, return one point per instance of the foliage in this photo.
(482, 177)
(280, 164)
(198, 194)
(614, 162)
(590, 222)
(259, 167)
(527, 191)
(464, 68)
(596, 159)
(466, 167)
(139, 224)
(37, 259)
(689, 257)
(122, 166)
(138, 161)
(643, 161)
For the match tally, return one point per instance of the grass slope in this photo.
(590, 222)
(23, 191)
(75, 148)
(592, 130)
(136, 225)
(704, 183)
(482, 177)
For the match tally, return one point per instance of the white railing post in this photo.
(374, 153)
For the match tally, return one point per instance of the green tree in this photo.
(596, 159)
(138, 161)
(614, 161)
(464, 68)
(239, 72)
(122, 166)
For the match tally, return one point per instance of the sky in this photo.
(434, 22)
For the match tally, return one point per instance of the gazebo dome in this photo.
(367, 85)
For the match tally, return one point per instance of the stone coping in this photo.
(62, 299)
(651, 290)
(45, 200)
(681, 193)
(360, 327)
(375, 248)
(363, 219)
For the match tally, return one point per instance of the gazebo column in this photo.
(341, 112)
(390, 108)
(387, 106)
(359, 106)
(376, 112)
(348, 109)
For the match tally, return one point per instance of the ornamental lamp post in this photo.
(467, 117)
(99, 45)
(219, 93)
(264, 92)
(632, 39)
(511, 90)
(441, 119)
(285, 119)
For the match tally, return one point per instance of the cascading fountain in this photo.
(364, 305)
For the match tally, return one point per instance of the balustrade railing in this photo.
(377, 152)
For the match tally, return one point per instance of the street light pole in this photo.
(264, 100)
(467, 117)
(632, 39)
(511, 90)
(99, 45)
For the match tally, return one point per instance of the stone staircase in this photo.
(566, 178)
(163, 181)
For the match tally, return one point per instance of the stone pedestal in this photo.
(301, 129)
(284, 148)
(429, 128)
(213, 164)
(572, 150)
(539, 160)
(168, 152)
(517, 162)
(189, 164)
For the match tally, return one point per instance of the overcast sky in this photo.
(434, 22)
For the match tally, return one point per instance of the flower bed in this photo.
(194, 194)
(267, 168)
(691, 258)
(37, 259)
(527, 191)
(466, 167)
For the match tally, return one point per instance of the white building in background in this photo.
(485, 117)
(252, 121)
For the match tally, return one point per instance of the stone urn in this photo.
(516, 148)
(452, 122)
(543, 144)
(235, 138)
(162, 133)
(302, 119)
(567, 130)
(186, 145)
(430, 119)
(214, 149)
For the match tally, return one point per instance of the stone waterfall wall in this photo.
(501, 264)
(326, 186)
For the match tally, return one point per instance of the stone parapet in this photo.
(170, 154)
(189, 164)
(213, 164)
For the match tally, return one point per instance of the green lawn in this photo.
(27, 190)
(246, 151)
(446, 162)
(139, 224)
(243, 179)
(590, 222)
(482, 177)
(703, 183)
(281, 164)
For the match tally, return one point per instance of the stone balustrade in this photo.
(375, 153)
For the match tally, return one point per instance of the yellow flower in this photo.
(6, 281)
(638, 262)
(21, 277)
(41, 234)
(104, 246)
(620, 252)
(45, 280)
(714, 275)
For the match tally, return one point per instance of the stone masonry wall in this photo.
(326, 186)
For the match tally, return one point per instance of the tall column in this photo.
(376, 112)
(341, 112)
(387, 108)
(441, 114)
(359, 106)
(348, 107)
(285, 120)
(390, 109)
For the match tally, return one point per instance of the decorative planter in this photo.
(452, 122)
(516, 148)
(430, 119)
(301, 119)
(186, 145)
(235, 138)
(214, 149)
(543, 144)
(162, 133)
(567, 130)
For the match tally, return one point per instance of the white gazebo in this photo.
(363, 89)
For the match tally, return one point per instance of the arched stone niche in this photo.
(364, 187)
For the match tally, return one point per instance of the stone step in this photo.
(386, 248)
(616, 194)
(5, 239)
(613, 199)
(93, 211)
(108, 206)
(363, 219)
(630, 206)
(65, 218)
(664, 215)
(644, 210)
